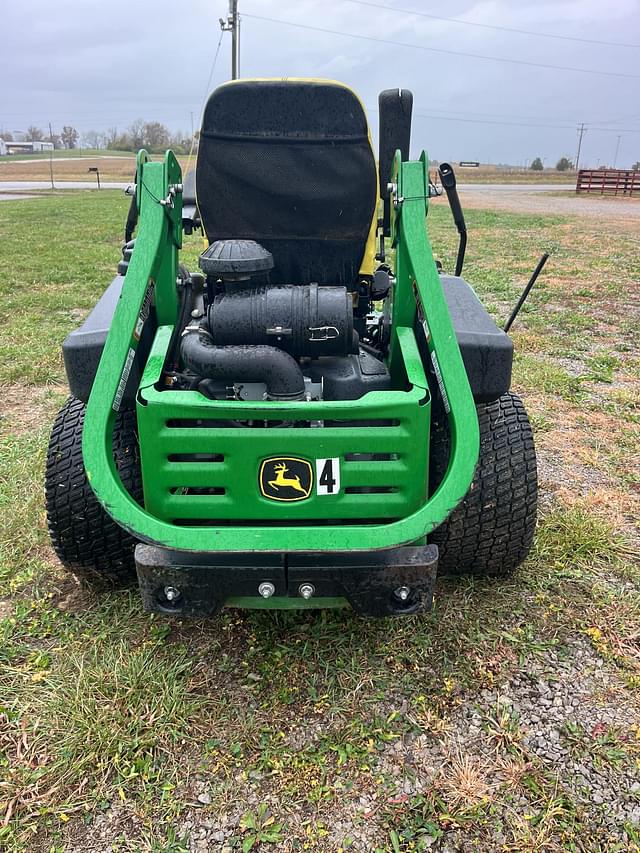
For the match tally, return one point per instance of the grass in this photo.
(488, 175)
(325, 731)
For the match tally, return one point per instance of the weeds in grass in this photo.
(103, 706)
(576, 538)
(600, 367)
(259, 827)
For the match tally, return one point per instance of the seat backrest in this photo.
(289, 163)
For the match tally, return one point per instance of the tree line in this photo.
(152, 135)
(156, 138)
(564, 164)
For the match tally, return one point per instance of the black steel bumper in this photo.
(394, 582)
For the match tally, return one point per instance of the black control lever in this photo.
(534, 276)
(448, 181)
(132, 215)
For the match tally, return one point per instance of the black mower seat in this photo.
(289, 164)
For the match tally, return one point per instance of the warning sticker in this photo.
(144, 311)
(443, 390)
(421, 315)
(124, 379)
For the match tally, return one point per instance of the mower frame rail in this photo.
(420, 322)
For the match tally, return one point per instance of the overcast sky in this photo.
(96, 65)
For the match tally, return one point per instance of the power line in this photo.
(211, 70)
(204, 97)
(444, 114)
(525, 124)
(635, 117)
(466, 120)
(492, 115)
(444, 50)
(503, 123)
(491, 26)
(437, 115)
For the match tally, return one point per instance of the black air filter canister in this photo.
(304, 320)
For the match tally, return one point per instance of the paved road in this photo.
(517, 198)
(17, 196)
(18, 186)
(522, 188)
(115, 185)
(13, 159)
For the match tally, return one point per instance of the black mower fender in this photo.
(487, 351)
(82, 348)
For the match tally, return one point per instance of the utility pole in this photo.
(615, 159)
(581, 132)
(232, 25)
(51, 157)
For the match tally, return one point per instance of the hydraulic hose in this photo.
(279, 371)
(184, 312)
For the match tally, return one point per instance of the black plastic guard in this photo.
(393, 582)
(487, 351)
(369, 580)
(204, 580)
(82, 348)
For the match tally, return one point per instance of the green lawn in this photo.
(324, 731)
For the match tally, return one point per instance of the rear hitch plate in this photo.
(397, 581)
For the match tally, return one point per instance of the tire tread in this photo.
(88, 542)
(491, 531)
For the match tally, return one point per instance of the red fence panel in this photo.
(608, 181)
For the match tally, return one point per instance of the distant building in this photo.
(25, 147)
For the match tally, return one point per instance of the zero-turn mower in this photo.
(319, 415)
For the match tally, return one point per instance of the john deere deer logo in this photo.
(286, 478)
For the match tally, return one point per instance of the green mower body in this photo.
(260, 494)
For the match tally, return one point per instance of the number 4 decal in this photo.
(328, 476)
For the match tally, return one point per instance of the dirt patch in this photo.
(26, 408)
(70, 596)
(579, 456)
(624, 212)
(71, 169)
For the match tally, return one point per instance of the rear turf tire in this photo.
(88, 542)
(491, 531)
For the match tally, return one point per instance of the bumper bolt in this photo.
(402, 593)
(306, 590)
(171, 593)
(266, 589)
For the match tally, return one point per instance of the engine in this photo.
(239, 337)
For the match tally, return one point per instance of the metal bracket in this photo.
(326, 330)
(174, 189)
(396, 200)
